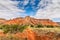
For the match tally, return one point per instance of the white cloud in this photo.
(51, 10)
(26, 2)
(8, 9)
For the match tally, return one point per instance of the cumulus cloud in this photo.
(26, 2)
(48, 9)
(51, 10)
(9, 9)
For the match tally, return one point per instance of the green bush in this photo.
(22, 27)
(32, 26)
(50, 26)
(13, 28)
(39, 26)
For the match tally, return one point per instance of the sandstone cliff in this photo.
(30, 20)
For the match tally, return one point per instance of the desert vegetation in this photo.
(11, 38)
(12, 28)
(20, 28)
(40, 31)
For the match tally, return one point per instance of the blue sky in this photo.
(29, 7)
(32, 11)
(57, 19)
(10, 9)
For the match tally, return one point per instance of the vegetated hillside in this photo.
(29, 20)
(9, 32)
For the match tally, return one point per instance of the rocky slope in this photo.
(58, 23)
(30, 20)
(2, 20)
(36, 34)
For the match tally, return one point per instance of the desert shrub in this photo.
(9, 38)
(39, 26)
(32, 26)
(22, 27)
(5, 28)
(50, 26)
(13, 28)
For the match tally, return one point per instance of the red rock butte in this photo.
(30, 20)
(28, 32)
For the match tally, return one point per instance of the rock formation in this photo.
(30, 20)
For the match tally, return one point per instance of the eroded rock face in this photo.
(30, 34)
(33, 35)
(46, 35)
(2, 20)
(41, 35)
(29, 20)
